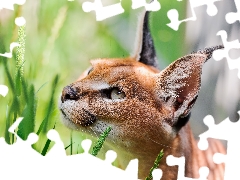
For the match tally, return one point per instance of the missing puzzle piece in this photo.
(9, 4)
(58, 149)
(153, 6)
(56, 164)
(229, 131)
(102, 12)
(9, 54)
(19, 21)
(234, 16)
(173, 14)
(180, 162)
(3, 90)
(225, 53)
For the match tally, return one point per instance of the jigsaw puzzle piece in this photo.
(15, 125)
(157, 174)
(102, 12)
(32, 138)
(210, 123)
(219, 158)
(3, 90)
(131, 168)
(211, 7)
(9, 54)
(180, 162)
(86, 145)
(215, 131)
(58, 149)
(153, 6)
(20, 21)
(229, 131)
(173, 14)
(234, 16)
(9, 4)
(110, 156)
(225, 53)
(231, 161)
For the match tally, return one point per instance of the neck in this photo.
(146, 152)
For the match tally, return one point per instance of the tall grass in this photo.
(155, 165)
(98, 145)
(23, 101)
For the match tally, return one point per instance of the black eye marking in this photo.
(90, 118)
(113, 93)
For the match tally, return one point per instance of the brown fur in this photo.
(149, 118)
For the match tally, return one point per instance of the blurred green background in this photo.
(61, 39)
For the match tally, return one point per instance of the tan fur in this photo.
(151, 115)
(138, 121)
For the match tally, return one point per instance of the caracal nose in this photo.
(69, 93)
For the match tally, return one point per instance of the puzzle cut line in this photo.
(3, 90)
(81, 166)
(9, 4)
(180, 162)
(173, 14)
(229, 131)
(232, 17)
(104, 12)
(224, 53)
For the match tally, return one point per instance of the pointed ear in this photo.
(146, 52)
(178, 85)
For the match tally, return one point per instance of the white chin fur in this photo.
(66, 122)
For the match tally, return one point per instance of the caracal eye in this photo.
(117, 94)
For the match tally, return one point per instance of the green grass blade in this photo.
(18, 83)
(20, 59)
(47, 144)
(69, 145)
(43, 126)
(155, 165)
(20, 51)
(12, 115)
(14, 108)
(9, 77)
(7, 125)
(77, 149)
(18, 80)
(28, 123)
(41, 87)
(25, 95)
(98, 145)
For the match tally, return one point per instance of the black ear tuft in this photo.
(208, 51)
(147, 54)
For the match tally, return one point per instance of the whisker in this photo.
(94, 132)
(159, 143)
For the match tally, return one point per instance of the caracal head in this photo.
(138, 101)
